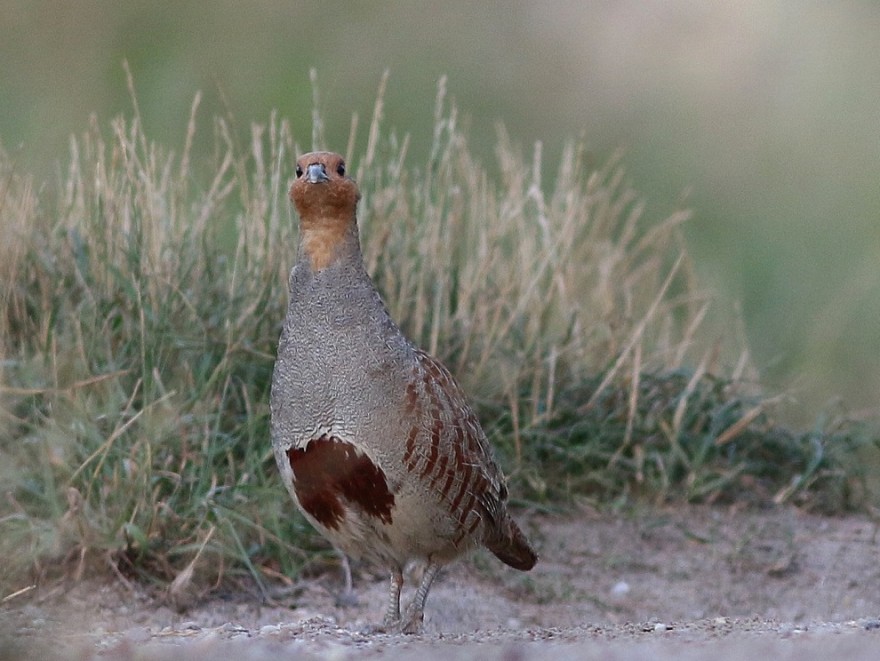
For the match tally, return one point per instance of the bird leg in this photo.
(392, 614)
(347, 597)
(415, 612)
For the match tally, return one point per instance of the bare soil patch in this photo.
(669, 583)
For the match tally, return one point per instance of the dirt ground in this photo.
(683, 583)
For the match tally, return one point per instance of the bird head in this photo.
(321, 191)
(326, 200)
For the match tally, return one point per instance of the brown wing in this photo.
(447, 448)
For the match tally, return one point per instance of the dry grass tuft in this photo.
(141, 303)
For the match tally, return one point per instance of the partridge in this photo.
(374, 439)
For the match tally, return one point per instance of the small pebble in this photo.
(620, 588)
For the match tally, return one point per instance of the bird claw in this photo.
(412, 624)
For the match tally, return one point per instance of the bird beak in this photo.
(316, 173)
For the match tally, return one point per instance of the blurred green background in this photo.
(762, 116)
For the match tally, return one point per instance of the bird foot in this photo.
(413, 621)
(408, 625)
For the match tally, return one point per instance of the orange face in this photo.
(321, 190)
(326, 201)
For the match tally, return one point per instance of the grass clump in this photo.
(674, 437)
(138, 352)
(141, 304)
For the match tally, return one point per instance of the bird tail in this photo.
(510, 545)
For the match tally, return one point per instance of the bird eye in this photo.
(340, 169)
(299, 172)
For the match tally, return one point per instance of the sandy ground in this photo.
(687, 583)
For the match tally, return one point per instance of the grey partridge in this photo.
(374, 439)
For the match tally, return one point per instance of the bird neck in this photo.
(328, 240)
